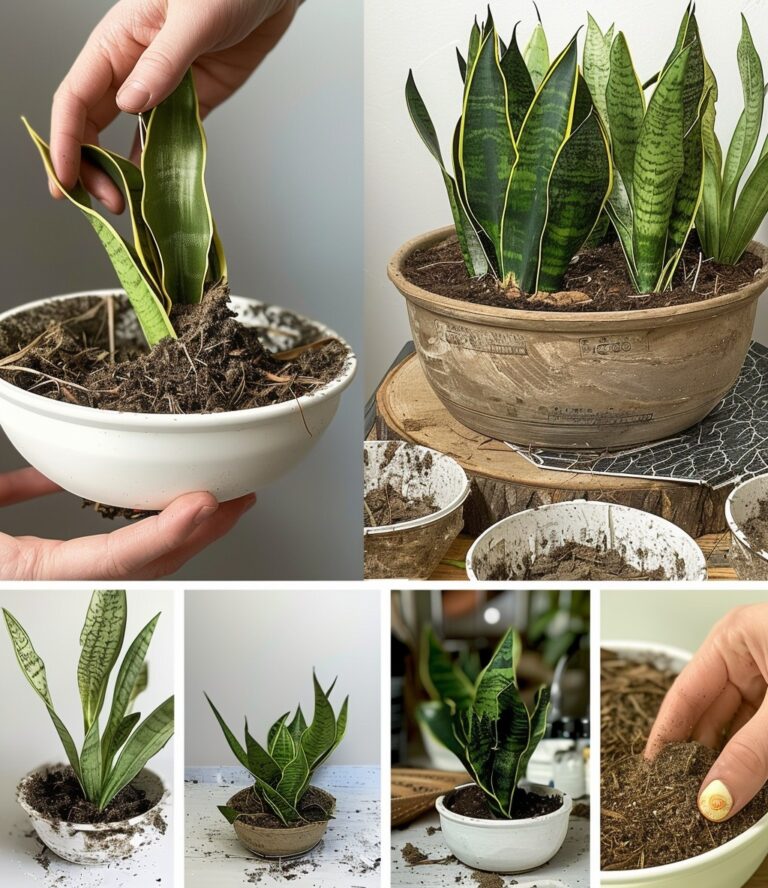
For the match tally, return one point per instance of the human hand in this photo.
(151, 548)
(721, 695)
(137, 55)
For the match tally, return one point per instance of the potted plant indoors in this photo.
(172, 385)
(282, 814)
(570, 305)
(500, 822)
(104, 804)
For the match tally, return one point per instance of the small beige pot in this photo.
(588, 380)
(271, 842)
(749, 562)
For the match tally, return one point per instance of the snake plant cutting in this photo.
(110, 759)
(282, 770)
(531, 163)
(175, 252)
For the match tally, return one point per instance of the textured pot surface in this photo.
(270, 842)
(749, 561)
(145, 461)
(506, 846)
(594, 380)
(98, 844)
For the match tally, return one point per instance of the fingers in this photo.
(713, 724)
(24, 484)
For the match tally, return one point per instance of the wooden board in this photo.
(504, 482)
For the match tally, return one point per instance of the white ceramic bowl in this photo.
(97, 844)
(729, 866)
(749, 562)
(144, 460)
(506, 846)
(537, 531)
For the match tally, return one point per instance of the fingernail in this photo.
(205, 513)
(133, 96)
(715, 802)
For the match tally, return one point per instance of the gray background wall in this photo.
(285, 177)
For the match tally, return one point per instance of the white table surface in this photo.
(568, 869)
(348, 857)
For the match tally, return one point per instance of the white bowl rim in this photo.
(698, 555)
(734, 526)
(619, 877)
(522, 823)
(433, 516)
(95, 416)
(87, 827)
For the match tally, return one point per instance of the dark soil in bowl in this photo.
(78, 351)
(387, 505)
(756, 528)
(470, 801)
(576, 561)
(600, 272)
(313, 808)
(649, 815)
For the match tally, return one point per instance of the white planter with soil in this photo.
(145, 460)
(560, 540)
(746, 511)
(98, 844)
(506, 846)
(411, 478)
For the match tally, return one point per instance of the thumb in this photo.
(740, 771)
(162, 65)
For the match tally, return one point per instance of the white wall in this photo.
(253, 653)
(404, 190)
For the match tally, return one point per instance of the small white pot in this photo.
(749, 563)
(97, 844)
(145, 460)
(535, 532)
(506, 846)
(413, 549)
(729, 866)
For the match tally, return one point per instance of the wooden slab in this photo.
(504, 482)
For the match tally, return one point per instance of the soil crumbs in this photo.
(387, 505)
(649, 815)
(756, 528)
(57, 795)
(78, 351)
(599, 272)
(470, 801)
(576, 561)
(311, 807)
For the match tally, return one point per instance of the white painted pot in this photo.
(97, 844)
(605, 525)
(506, 846)
(440, 758)
(144, 460)
(750, 563)
(729, 866)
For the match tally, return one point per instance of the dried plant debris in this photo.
(648, 812)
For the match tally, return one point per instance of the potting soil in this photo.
(756, 528)
(312, 808)
(387, 505)
(57, 795)
(577, 561)
(470, 801)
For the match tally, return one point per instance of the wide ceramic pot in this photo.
(582, 380)
(506, 846)
(748, 560)
(144, 460)
(99, 844)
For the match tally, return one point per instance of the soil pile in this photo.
(756, 529)
(470, 801)
(57, 795)
(387, 505)
(576, 561)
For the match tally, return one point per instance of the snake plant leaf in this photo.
(175, 203)
(282, 749)
(708, 217)
(141, 683)
(750, 212)
(145, 742)
(234, 743)
(339, 731)
(597, 64)
(542, 136)
(539, 718)
(297, 725)
(462, 64)
(295, 777)
(217, 261)
(440, 675)
(91, 763)
(274, 730)
(229, 813)
(479, 256)
(320, 734)
(436, 718)
(520, 89)
(625, 104)
(536, 54)
(148, 306)
(475, 37)
(281, 807)
(123, 732)
(497, 675)
(260, 762)
(100, 643)
(34, 671)
(512, 728)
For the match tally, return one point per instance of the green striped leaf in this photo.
(497, 675)
(751, 209)
(625, 103)
(597, 65)
(520, 89)
(100, 642)
(281, 807)
(475, 37)
(536, 55)
(260, 762)
(297, 725)
(321, 733)
(538, 727)
(440, 675)
(275, 729)
(708, 217)
(123, 732)
(295, 777)
(234, 743)
(91, 765)
(282, 749)
(462, 62)
(513, 729)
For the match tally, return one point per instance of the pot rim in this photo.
(522, 823)
(96, 416)
(702, 567)
(433, 517)
(87, 827)
(734, 526)
(565, 321)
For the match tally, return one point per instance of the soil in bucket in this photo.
(90, 351)
(756, 528)
(600, 273)
(576, 561)
(387, 505)
(312, 807)
(649, 815)
(470, 801)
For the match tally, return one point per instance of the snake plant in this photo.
(282, 770)
(496, 735)
(108, 760)
(531, 165)
(175, 251)
(656, 148)
(728, 218)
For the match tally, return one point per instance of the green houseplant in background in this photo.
(109, 760)
(282, 814)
